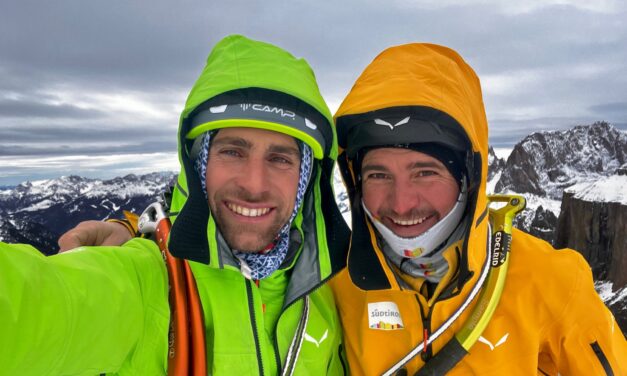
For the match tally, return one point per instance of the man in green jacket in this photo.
(256, 148)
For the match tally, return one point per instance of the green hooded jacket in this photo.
(105, 309)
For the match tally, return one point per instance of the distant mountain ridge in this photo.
(544, 163)
(41, 211)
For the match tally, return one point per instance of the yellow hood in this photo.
(434, 84)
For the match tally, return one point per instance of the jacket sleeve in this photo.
(89, 311)
(586, 338)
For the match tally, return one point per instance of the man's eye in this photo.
(229, 153)
(377, 176)
(280, 160)
(426, 173)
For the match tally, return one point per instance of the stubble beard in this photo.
(247, 238)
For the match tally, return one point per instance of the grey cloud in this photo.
(616, 109)
(18, 140)
(506, 132)
(33, 109)
(94, 150)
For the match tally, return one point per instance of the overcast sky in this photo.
(94, 88)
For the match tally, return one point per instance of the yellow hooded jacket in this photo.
(549, 319)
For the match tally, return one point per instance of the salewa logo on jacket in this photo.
(501, 341)
(317, 342)
(384, 316)
(388, 124)
(270, 109)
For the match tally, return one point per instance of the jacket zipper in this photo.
(425, 354)
(297, 341)
(253, 321)
(302, 296)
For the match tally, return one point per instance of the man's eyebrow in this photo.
(242, 142)
(429, 164)
(372, 167)
(235, 141)
(375, 167)
(284, 149)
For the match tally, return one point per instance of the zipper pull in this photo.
(263, 305)
(425, 355)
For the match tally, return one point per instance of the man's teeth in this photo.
(409, 223)
(246, 212)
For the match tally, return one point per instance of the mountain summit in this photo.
(545, 163)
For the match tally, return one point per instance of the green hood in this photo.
(240, 72)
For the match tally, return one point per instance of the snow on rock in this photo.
(608, 189)
(607, 293)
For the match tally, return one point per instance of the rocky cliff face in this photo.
(593, 220)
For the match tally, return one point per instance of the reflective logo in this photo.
(384, 316)
(501, 341)
(217, 109)
(269, 109)
(311, 339)
(392, 126)
(310, 124)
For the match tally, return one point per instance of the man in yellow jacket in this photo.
(413, 136)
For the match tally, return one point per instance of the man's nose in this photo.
(253, 177)
(403, 197)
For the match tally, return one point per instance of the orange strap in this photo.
(186, 337)
(197, 326)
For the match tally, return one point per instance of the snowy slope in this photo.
(608, 189)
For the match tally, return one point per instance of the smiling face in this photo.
(252, 179)
(406, 190)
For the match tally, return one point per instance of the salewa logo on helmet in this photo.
(384, 316)
(501, 341)
(316, 342)
(270, 109)
(392, 126)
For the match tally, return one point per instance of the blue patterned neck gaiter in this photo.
(264, 263)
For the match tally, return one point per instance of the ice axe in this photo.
(501, 220)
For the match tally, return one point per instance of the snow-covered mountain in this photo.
(39, 212)
(545, 163)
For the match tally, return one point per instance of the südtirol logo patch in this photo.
(384, 316)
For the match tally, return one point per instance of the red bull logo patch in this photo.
(384, 316)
